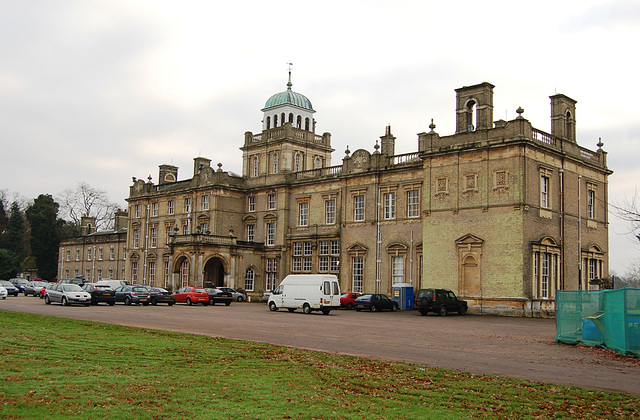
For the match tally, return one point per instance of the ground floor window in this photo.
(152, 273)
(357, 276)
(545, 273)
(397, 263)
(271, 271)
(134, 272)
(167, 273)
(249, 279)
(184, 273)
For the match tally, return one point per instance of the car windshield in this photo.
(71, 288)
(38, 283)
(6, 283)
(364, 297)
(200, 291)
(102, 287)
(139, 289)
(161, 290)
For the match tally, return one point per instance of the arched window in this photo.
(268, 123)
(282, 119)
(299, 121)
(568, 126)
(249, 279)
(275, 163)
(306, 124)
(275, 121)
(317, 162)
(298, 161)
(469, 114)
(255, 166)
(291, 117)
(184, 273)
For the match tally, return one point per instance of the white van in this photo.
(309, 292)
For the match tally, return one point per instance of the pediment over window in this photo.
(357, 247)
(469, 239)
(595, 249)
(546, 240)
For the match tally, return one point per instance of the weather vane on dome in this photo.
(289, 84)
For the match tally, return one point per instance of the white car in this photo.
(3, 292)
(67, 294)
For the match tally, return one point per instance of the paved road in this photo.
(513, 347)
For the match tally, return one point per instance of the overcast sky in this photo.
(102, 91)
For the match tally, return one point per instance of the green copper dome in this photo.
(288, 97)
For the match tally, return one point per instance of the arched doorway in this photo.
(214, 272)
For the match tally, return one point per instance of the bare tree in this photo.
(629, 211)
(85, 200)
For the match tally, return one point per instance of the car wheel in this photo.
(227, 303)
(111, 303)
(127, 300)
(26, 294)
(291, 309)
(357, 310)
(170, 303)
(306, 308)
(212, 303)
(443, 310)
(373, 308)
(273, 306)
(239, 299)
(463, 310)
(47, 300)
(145, 303)
(189, 302)
(394, 307)
(64, 301)
(349, 306)
(326, 311)
(154, 303)
(424, 313)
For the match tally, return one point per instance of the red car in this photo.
(347, 300)
(45, 287)
(191, 295)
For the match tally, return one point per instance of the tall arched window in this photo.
(298, 161)
(184, 273)
(299, 121)
(249, 279)
(282, 119)
(255, 166)
(569, 126)
(306, 124)
(268, 123)
(275, 163)
(275, 121)
(291, 117)
(317, 162)
(469, 114)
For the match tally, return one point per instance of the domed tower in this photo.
(288, 107)
(288, 142)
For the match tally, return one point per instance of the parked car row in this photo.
(69, 291)
(440, 301)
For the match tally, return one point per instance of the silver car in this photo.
(237, 296)
(3, 292)
(67, 294)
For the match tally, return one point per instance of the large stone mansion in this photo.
(500, 212)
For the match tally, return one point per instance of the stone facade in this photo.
(95, 255)
(500, 212)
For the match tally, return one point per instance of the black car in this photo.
(160, 295)
(375, 302)
(100, 293)
(11, 289)
(133, 294)
(441, 301)
(219, 296)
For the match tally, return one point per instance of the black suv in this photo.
(441, 301)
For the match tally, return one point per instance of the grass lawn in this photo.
(58, 367)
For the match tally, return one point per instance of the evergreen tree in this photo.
(16, 240)
(4, 222)
(9, 264)
(45, 234)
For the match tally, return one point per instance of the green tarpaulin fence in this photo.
(608, 318)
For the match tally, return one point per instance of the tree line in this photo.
(30, 234)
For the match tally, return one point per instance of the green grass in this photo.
(56, 367)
